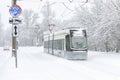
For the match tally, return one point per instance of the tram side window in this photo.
(55, 44)
(50, 44)
(68, 43)
(58, 44)
(46, 44)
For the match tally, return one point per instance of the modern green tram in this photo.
(67, 43)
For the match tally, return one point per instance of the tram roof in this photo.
(63, 31)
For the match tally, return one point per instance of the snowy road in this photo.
(33, 64)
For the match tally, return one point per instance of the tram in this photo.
(67, 43)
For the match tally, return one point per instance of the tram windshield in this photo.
(78, 39)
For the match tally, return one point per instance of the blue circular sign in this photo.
(15, 10)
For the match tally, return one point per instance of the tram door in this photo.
(51, 44)
(67, 42)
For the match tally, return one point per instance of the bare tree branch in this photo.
(70, 1)
(117, 8)
(67, 7)
(86, 1)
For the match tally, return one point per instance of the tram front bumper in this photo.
(76, 55)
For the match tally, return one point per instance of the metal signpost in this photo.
(15, 11)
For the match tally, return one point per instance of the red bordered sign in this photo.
(15, 10)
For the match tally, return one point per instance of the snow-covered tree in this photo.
(107, 29)
(27, 30)
(1, 32)
(102, 22)
(48, 16)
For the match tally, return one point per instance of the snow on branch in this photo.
(67, 7)
(70, 1)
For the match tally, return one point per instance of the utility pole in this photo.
(14, 47)
(15, 11)
(48, 22)
(14, 2)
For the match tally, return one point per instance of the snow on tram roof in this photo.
(63, 30)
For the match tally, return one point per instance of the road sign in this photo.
(15, 30)
(51, 26)
(10, 20)
(15, 10)
(15, 20)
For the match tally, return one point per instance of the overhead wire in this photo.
(71, 9)
(63, 3)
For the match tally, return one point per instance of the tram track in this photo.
(32, 59)
(52, 71)
(83, 68)
(89, 71)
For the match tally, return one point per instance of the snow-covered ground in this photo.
(33, 64)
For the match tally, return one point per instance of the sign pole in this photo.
(14, 51)
(15, 11)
